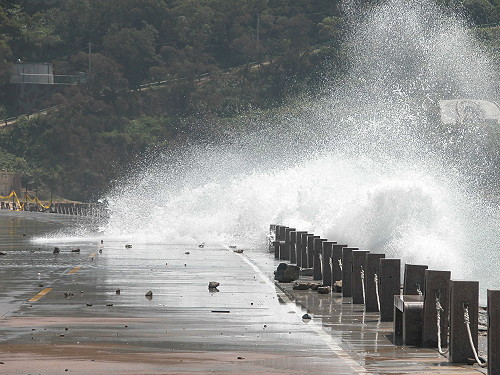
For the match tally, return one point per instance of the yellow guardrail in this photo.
(21, 205)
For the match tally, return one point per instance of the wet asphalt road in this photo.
(61, 313)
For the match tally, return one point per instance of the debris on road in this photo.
(213, 284)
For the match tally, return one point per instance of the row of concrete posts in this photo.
(427, 307)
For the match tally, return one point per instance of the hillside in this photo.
(157, 74)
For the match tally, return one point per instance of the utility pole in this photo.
(258, 35)
(90, 64)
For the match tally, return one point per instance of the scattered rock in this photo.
(301, 286)
(201, 245)
(314, 286)
(324, 290)
(3, 253)
(66, 328)
(77, 250)
(149, 294)
(286, 273)
(306, 317)
(241, 357)
(68, 294)
(100, 251)
(109, 304)
(61, 335)
(24, 234)
(238, 251)
(89, 304)
(40, 285)
(213, 284)
(232, 246)
(128, 246)
(117, 291)
(306, 272)
(56, 250)
(187, 253)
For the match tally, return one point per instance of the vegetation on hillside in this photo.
(151, 71)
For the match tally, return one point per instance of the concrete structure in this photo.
(372, 269)
(463, 294)
(389, 286)
(494, 332)
(358, 270)
(437, 284)
(347, 271)
(460, 111)
(33, 73)
(10, 181)
(414, 279)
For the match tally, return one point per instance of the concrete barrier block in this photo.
(437, 284)
(318, 247)
(358, 264)
(298, 247)
(293, 249)
(303, 249)
(493, 297)
(347, 271)
(463, 294)
(414, 279)
(336, 261)
(372, 268)
(389, 285)
(326, 258)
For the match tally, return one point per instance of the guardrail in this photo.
(428, 308)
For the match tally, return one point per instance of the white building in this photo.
(34, 73)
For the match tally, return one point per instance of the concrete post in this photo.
(326, 258)
(272, 237)
(389, 285)
(285, 252)
(310, 250)
(358, 264)
(347, 271)
(372, 268)
(298, 247)
(336, 260)
(414, 279)
(293, 248)
(318, 247)
(463, 294)
(437, 285)
(281, 238)
(276, 244)
(303, 249)
(493, 332)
